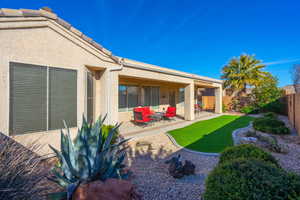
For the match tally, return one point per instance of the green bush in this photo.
(106, 129)
(251, 179)
(276, 106)
(246, 151)
(90, 157)
(247, 109)
(270, 115)
(270, 125)
(224, 108)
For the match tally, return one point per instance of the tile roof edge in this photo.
(7, 12)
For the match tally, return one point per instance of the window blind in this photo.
(28, 98)
(62, 98)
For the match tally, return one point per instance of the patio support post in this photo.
(108, 96)
(218, 99)
(189, 102)
(112, 99)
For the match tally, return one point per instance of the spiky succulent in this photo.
(90, 156)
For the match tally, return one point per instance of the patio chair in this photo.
(141, 117)
(197, 109)
(147, 111)
(170, 113)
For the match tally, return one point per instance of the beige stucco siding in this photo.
(45, 46)
(47, 42)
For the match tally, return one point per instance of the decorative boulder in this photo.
(111, 189)
(178, 170)
(248, 140)
(188, 168)
(175, 167)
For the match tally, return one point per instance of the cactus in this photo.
(91, 156)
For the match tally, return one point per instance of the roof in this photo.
(5, 12)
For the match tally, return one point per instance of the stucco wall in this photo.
(40, 41)
(47, 46)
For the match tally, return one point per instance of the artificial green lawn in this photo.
(212, 135)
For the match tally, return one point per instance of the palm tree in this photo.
(242, 72)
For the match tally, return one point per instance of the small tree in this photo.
(266, 95)
(296, 77)
(242, 72)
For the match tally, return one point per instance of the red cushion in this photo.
(147, 110)
(171, 112)
(138, 109)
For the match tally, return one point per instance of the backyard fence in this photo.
(227, 101)
(208, 102)
(293, 108)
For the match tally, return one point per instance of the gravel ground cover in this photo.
(291, 160)
(146, 159)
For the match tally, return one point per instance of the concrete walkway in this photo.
(169, 127)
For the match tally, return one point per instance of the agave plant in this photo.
(91, 156)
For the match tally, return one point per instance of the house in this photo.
(291, 89)
(50, 72)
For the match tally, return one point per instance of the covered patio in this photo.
(155, 94)
(159, 95)
(207, 98)
(128, 128)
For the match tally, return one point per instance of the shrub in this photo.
(246, 151)
(276, 106)
(224, 108)
(270, 125)
(270, 115)
(251, 179)
(270, 142)
(22, 172)
(106, 129)
(247, 109)
(90, 157)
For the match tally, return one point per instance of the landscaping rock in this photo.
(248, 140)
(111, 189)
(188, 168)
(175, 167)
(177, 170)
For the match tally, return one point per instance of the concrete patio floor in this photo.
(129, 129)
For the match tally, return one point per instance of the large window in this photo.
(151, 96)
(62, 98)
(134, 96)
(128, 97)
(41, 98)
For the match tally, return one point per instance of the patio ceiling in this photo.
(204, 84)
(144, 81)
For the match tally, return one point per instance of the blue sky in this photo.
(195, 36)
